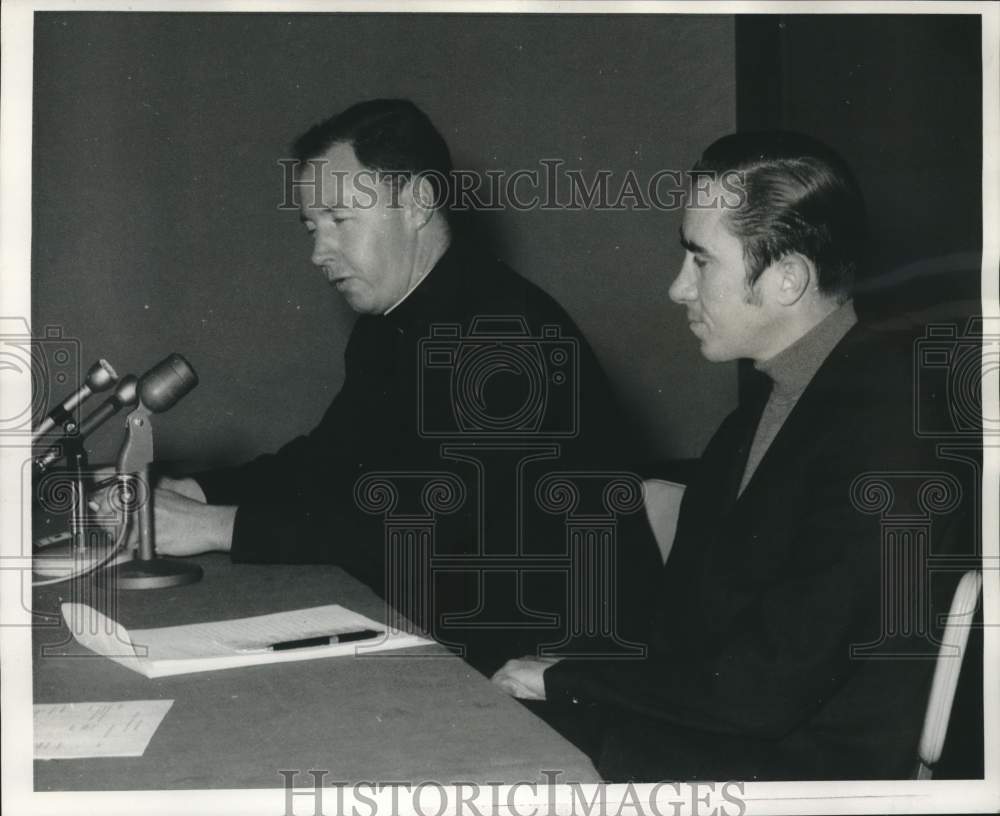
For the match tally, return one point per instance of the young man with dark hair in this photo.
(774, 653)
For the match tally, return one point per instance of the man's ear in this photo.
(792, 277)
(417, 200)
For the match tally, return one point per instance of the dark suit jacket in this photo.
(751, 674)
(511, 409)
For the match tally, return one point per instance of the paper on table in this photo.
(216, 645)
(80, 730)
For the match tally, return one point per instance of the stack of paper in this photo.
(229, 644)
(78, 730)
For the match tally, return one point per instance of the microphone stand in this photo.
(76, 457)
(86, 545)
(146, 570)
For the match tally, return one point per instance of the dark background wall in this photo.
(899, 96)
(156, 186)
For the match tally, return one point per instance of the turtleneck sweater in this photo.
(790, 371)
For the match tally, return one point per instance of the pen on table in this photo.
(318, 640)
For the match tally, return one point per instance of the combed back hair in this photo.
(389, 135)
(800, 196)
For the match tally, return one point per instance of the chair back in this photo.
(663, 505)
(946, 672)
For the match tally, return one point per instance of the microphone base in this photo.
(60, 557)
(156, 573)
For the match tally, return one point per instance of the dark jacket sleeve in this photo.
(297, 505)
(772, 668)
(300, 506)
(310, 532)
(762, 609)
(257, 478)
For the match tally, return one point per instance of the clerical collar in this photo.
(792, 368)
(413, 288)
(408, 292)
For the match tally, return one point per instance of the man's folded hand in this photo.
(183, 523)
(187, 526)
(522, 677)
(185, 486)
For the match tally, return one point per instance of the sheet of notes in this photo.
(79, 730)
(228, 644)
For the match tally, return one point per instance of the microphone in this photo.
(100, 377)
(158, 390)
(126, 394)
(164, 384)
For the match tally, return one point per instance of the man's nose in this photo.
(324, 248)
(684, 288)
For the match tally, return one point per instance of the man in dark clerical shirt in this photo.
(779, 646)
(470, 402)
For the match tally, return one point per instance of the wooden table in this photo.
(396, 717)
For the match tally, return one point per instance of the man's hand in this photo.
(187, 526)
(182, 522)
(522, 677)
(186, 487)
